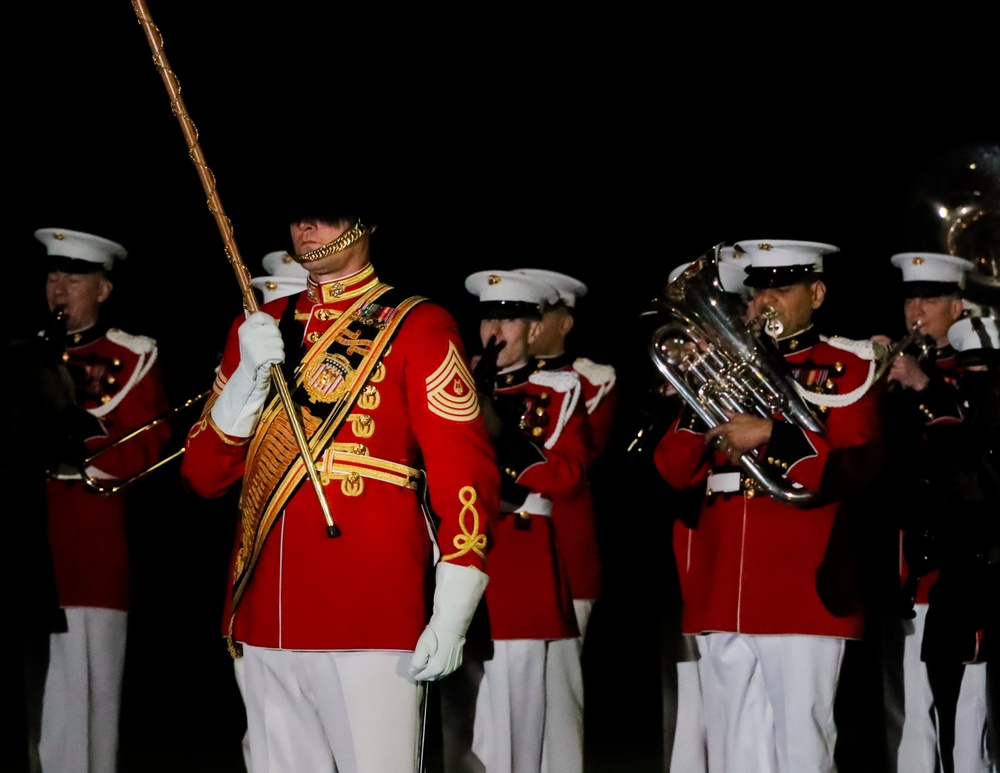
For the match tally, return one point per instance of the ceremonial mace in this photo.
(155, 40)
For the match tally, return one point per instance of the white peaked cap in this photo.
(677, 271)
(77, 245)
(779, 253)
(570, 288)
(274, 287)
(777, 262)
(280, 263)
(971, 333)
(509, 294)
(931, 267)
(732, 270)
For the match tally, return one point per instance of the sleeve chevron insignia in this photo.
(450, 393)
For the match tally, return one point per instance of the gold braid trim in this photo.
(273, 451)
(336, 465)
(342, 242)
(228, 440)
(234, 647)
(470, 539)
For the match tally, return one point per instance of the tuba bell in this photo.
(711, 356)
(954, 207)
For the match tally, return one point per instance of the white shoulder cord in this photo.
(145, 347)
(560, 381)
(862, 349)
(601, 376)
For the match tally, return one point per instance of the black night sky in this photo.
(588, 145)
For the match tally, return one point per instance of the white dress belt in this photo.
(722, 483)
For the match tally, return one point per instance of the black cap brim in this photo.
(509, 310)
(64, 265)
(780, 276)
(930, 289)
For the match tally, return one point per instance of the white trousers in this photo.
(332, 712)
(509, 726)
(914, 720)
(770, 702)
(81, 702)
(689, 752)
(562, 744)
(238, 671)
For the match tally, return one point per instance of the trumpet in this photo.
(885, 357)
(108, 487)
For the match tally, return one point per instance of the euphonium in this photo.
(710, 355)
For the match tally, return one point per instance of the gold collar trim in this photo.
(344, 288)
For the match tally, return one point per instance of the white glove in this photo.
(439, 648)
(243, 398)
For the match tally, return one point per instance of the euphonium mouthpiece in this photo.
(772, 325)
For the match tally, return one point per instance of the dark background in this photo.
(597, 145)
(608, 145)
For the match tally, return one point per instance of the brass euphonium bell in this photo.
(711, 356)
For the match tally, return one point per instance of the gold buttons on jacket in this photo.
(370, 398)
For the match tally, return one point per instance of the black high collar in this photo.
(516, 377)
(87, 336)
(804, 339)
(558, 362)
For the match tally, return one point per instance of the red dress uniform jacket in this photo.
(120, 384)
(371, 587)
(543, 457)
(750, 565)
(574, 518)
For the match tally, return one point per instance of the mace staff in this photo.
(155, 39)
